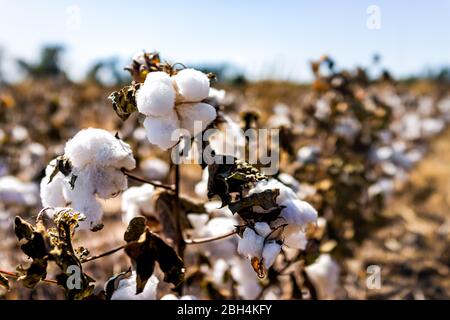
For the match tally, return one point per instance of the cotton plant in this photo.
(91, 168)
(263, 241)
(171, 103)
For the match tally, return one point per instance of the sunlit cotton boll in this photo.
(192, 84)
(127, 289)
(324, 274)
(296, 211)
(97, 158)
(156, 97)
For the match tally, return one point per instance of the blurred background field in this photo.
(399, 218)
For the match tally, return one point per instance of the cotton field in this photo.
(177, 182)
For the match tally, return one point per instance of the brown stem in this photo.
(15, 276)
(156, 184)
(209, 239)
(104, 254)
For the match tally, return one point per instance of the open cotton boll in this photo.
(127, 289)
(156, 97)
(230, 140)
(14, 191)
(251, 244)
(137, 200)
(324, 274)
(296, 211)
(270, 252)
(195, 117)
(192, 84)
(99, 147)
(160, 130)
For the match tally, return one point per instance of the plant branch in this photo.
(209, 239)
(104, 254)
(156, 184)
(16, 276)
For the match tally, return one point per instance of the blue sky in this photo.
(265, 38)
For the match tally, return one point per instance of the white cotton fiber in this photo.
(294, 237)
(192, 84)
(195, 117)
(296, 211)
(251, 244)
(160, 130)
(263, 229)
(127, 289)
(156, 97)
(137, 200)
(98, 147)
(270, 253)
(52, 193)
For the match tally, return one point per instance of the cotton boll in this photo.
(160, 130)
(192, 84)
(136, 200)
(263, 229)
(155, 169)
(270, 252)
(156, 97)
(127, 289)
(14, 191)
(195, 117)
(324, 274)
(294, 237)
(296, 211)
(98, 147)
(251, 244)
